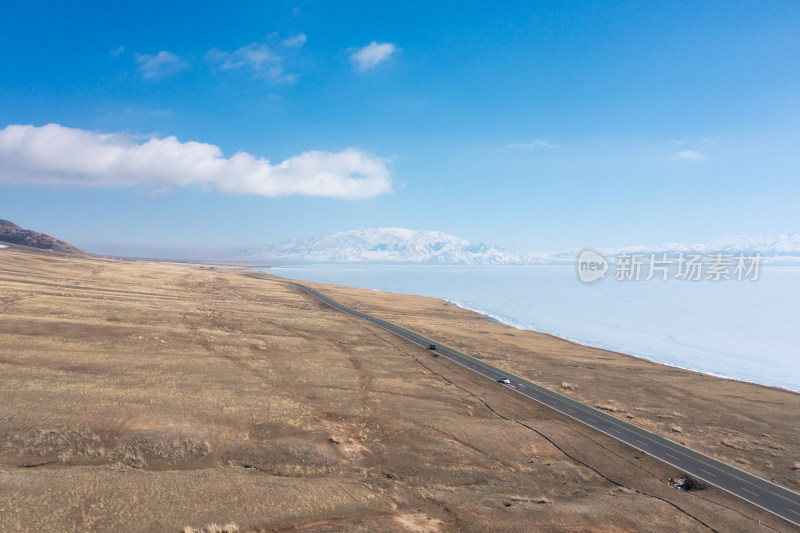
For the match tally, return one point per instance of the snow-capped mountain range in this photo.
(383, 245)
(400, 245)
(786, 245)
(783, 248)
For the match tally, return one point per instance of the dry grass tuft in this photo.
(609, 407)
(213, 528)
(732, 444)
(540, 499)
(796, 465)
(567, 386)
(676, 428)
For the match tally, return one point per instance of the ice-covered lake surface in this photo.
(745, 330)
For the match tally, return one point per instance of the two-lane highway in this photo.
(758, 491)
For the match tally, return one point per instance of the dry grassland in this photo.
(751, 426)
(158, 397)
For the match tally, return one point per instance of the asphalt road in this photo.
(760, 492)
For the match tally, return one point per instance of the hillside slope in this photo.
(11, 233)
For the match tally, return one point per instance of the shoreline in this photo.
(736, 421)
(579, 340)
(496, 320)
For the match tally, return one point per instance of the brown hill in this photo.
(11, 233)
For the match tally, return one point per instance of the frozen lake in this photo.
(745, 330)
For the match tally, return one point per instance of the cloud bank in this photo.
(371, 55)
(61, 156)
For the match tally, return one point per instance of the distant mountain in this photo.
(11, 233)
(400, 245)
(378, 245)
(786, 245)
(783, 248)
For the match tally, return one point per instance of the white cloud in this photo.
(690, 155)
(295, 42)
(160, 65)
(371, 55)
(538, 143)
(57, 155)
(260, 59)
(254, 56)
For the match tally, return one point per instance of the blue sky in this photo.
(530, 125)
